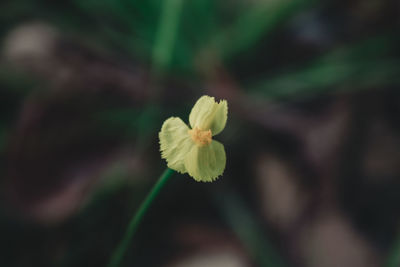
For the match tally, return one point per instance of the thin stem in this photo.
(137, 218)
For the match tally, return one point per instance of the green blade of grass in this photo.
(166, 33)
(255, 22)
(249, 232)
(366, 64)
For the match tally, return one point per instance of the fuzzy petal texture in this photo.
(175, 143)
(209, 115)
(206, 163)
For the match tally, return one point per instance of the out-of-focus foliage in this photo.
(312, 138)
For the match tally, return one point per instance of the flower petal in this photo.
(206, 163)
(208, 114)
(175, 143)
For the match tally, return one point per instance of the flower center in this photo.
(200, 137)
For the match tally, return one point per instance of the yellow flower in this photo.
(192, 150)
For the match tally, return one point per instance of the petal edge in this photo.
(175, 143)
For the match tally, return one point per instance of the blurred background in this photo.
(312, 139)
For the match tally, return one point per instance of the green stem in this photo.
(137, 218)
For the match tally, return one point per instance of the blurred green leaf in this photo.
(393, 259)
(248, 230)
(366, 64)
(254, 22)
(133, 26)
(166, 33)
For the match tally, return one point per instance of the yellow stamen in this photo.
(200, 137)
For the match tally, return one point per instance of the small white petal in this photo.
(206, 163)
(175, 143)
(209, 115)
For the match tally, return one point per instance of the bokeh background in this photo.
(312, 139)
